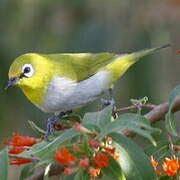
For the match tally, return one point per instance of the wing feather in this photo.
(79, 66)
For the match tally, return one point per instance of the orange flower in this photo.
(19, 140)
(17, 149)
(64, 156)
(84, 162)
(19, 161)
(171, 166)
(111, 151)
(154, 164)
(101, 160)
(18, 145)
(94, 143)
(94, 172)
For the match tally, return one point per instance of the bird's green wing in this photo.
(79, 66)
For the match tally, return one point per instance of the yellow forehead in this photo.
(35, 60)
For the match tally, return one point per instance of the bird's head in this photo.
(29, 71)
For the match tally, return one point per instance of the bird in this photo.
(60, 83)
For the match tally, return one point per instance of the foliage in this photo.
(97, 148)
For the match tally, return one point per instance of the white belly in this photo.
(65, 94)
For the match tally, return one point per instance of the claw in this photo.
(107, 102)
(51, 123)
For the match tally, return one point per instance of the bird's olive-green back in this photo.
(79, 66)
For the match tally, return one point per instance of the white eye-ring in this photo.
(27, 70)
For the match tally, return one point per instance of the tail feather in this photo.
(121, 63)
(145, 52)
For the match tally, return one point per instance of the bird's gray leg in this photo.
(106, 102)
(52, 121)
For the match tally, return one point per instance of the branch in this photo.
(134, 107)
(157, 113)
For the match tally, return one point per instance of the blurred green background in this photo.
(56, 26)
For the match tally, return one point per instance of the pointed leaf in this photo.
(133, 122)
(68, 177)
(113, 170)
(100, 118)
(134, 162)
(26, 171)
(37, 129)
(4, 164)
(44, 149)
(170, 120)
(82, 175)
(161, 151)
(170, 123)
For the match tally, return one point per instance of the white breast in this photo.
(65, 94)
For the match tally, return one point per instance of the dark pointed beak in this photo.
(12, 82)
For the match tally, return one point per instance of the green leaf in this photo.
(170, 119)
(170, 123)
(134, 162)
(113, 170)
(167, 178)
(68, 177)
(46, 172)
(44, 148)
(37, 129)
(26, 171)
(133, 122)
(82, 175)
(4, 164)
(100, 118)
(161, 151)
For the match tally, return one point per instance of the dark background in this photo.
(56, 26)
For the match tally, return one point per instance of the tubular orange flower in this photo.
(111, 150)
(17, 149)
(19, 161)
(154, 164)
(19, 144)
(84, 162)
(19, 140)
(101, 160)
(171, 166)
(64, 156)
(94, 172)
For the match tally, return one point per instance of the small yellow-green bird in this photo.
(61, 82)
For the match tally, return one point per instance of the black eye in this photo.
(27, 69)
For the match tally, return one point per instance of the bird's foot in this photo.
(51, 123)
(107, 102)
(111, 101)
